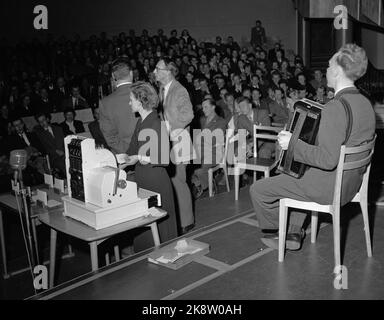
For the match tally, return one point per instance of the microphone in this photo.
(18, 161)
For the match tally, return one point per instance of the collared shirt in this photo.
(75, 101)
(49, 129)
(166, 89)
(336, 92)
(25, 138)
(71, 126)
(123, 83)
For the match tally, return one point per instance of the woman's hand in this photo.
(126, 160)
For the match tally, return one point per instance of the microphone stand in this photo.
(26, 221)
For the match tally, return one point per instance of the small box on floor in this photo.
(179, 253)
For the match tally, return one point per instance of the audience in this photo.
(76, 73)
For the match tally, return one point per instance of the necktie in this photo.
(161, 104)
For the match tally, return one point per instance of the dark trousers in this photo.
(265, 195)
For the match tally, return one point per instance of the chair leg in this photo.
(236, 172)
(226, 178)
(314, 222)
(364, 209)
(210, 182)
(283, 213)
(336, 238)
(254, 176)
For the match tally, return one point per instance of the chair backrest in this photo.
(265, 133)
(366, 151)
(230, 137)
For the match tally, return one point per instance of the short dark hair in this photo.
(242, 99)
(41, 113)
(170, 65)
(66, 110)
(121, 68)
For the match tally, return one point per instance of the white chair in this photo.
(256, 163)
(222, 165)
(334, 208)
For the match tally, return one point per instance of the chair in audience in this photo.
(334, 208)
(222, 165)
(256, 163)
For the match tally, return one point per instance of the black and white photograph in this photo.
(208, 153)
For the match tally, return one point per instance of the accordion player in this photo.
(304, 126)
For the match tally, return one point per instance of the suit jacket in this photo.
(211, 147)
(51, 143)
(260, 116)
(94, 129)
(59, 97)
(79, 127)
(318, 181)
(117, 121)
(178, 111)
(68, 103)
(14, 141)
(258, 36)
(279, 114)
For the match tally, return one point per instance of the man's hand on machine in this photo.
(283, 138)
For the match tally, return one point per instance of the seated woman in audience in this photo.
(70, 125)
(209, 150)
(150, 168)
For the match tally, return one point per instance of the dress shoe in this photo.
(186, 229)
(293, 241)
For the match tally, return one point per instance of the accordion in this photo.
(304, 126)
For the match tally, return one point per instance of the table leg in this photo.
(155, 233)
(117, 253)
(52, 258)
(94, 258)
(2, 243)
(34, 234)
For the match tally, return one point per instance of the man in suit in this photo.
(178, 114)
(75, 101)
(70, 125)
(44, 102)
(248, 118)
(51, 138)
(94, 129)
(60, 93)
(258, 37)
(23, 139)
(278, 108)
(317, 184)
(117, 121)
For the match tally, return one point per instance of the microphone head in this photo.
(18, 159)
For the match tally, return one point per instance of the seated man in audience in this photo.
(75, 101)
(23, 139)
(70, 125)
(257, 103)
(52, 139)
(94, 129)
(278, 109)
(210, 150)
(247, 119)
(6, 172)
